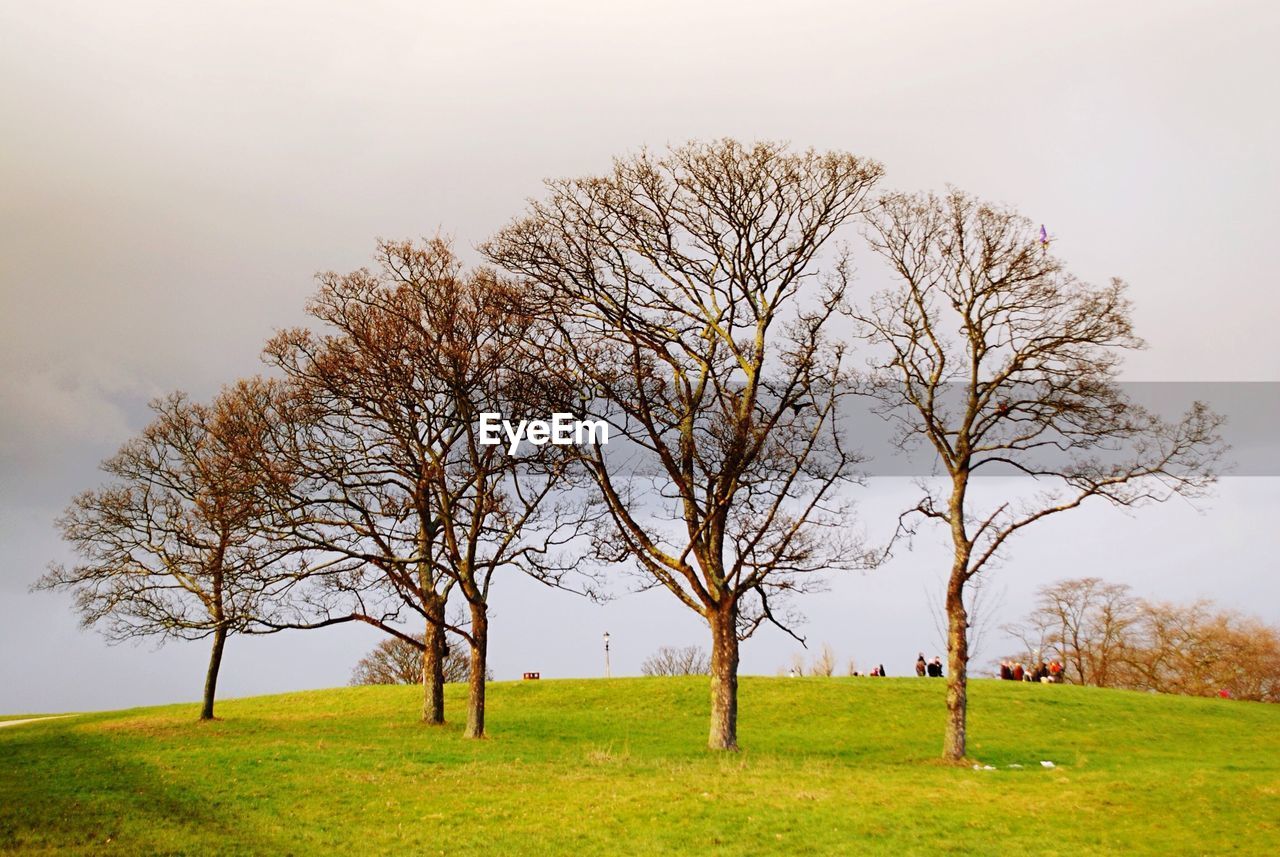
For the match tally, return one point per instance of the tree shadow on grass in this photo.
(82, 788)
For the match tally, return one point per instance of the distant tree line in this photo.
(697, 301)
(1106, 636)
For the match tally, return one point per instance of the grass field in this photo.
(829, 766)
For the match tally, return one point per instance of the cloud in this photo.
(55, 415)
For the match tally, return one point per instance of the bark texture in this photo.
(479, 667)
(724, 682)
(954, 747)
(433, 655)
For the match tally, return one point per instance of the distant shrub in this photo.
(676, 660)
(395, 661)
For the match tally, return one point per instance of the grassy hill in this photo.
(829, 766)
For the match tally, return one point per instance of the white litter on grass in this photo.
(983, 768)
(1015, 766)
(1047, 765)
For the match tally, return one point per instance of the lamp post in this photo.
(607, 673)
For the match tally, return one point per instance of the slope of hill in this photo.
(829, 766)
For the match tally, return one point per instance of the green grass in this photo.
(829, 766)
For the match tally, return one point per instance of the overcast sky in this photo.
(172, 175)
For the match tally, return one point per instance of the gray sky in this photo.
(172, 174)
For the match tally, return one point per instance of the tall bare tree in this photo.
(178, 545)
(686, 292)
(401, 487)
(1003, 362)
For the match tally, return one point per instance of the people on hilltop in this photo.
(921, 666)
(934, 668)
(1045, 672)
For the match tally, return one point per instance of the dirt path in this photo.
(4, 723)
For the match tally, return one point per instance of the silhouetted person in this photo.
(1017, 672)
(882, 672)
(920, 665)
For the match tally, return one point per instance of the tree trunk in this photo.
(957, 670)
(479, 666)
(433, 667)
(724, 679)
(211, 678)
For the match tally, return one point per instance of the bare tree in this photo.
(397, 661)
(1164, 651)
(1003, 362)
(824, 662)
(677, 660)
(401, 488)
(176, 545)
(685, 291)
(1233, 654)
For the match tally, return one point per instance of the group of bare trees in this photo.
(351, 488)
(1104, 635)
(698, 303)
(398, 504)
